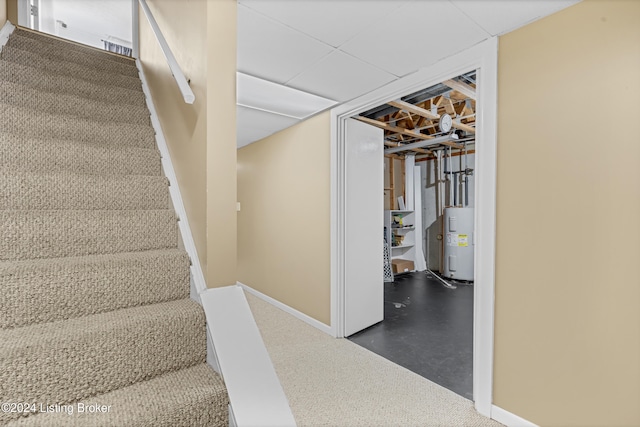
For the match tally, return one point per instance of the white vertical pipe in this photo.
(450, 180)
(409, 163)
(420, 262)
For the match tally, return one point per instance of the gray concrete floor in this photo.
(427, 329)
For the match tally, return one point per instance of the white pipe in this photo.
(420, 144)
(436, 175)
(135, 32)
(440, 181)
(178, 75)
(450, 180)
(444, 282)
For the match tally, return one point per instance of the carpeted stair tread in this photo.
(58, 44)
(25, 96)
(78, 358)
(194, 396)
(39, 124)
(26, 57)
(21, 154)
(96, 286)
(71, 85)
(46, 191)
(63, 233)
(68, 55)
(46, 290)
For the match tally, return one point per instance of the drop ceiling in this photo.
(338, 50)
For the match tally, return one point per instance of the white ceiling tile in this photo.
(333, 22)
(273, 97)
(500, 16)
(419, 33)
(253, 125)
(341, 77)
(271, 50)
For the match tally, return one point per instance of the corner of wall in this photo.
(11, 10)
(221, 159)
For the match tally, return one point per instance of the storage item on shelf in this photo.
(401, 235)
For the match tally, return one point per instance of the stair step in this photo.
(59, 44)
(36, 99)
(48, 125)
(76, 359)
(71, 69)
(194, 396)
(46, 50)
(45, 191)
(18, 153)
(58, 234)
(46, 290)
(71, 85)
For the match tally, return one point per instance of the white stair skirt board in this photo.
(254, 389)
(292, 311)
(5, 32)
(509, 419)
(197, 277)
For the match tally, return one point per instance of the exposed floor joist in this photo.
(416, 117)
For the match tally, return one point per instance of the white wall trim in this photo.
(197, 276)
(135, 29)
(255, 392)
(292, 311)
(509, 419)
(5, 32)
(24, 13)
(482, 57)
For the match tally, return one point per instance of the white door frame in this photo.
(482, 57)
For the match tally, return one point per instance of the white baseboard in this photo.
(5, 32)
(292, 311)
(509, 419)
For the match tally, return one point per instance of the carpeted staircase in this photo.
(95, 305)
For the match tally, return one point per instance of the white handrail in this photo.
(178, 75)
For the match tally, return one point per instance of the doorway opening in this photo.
(355, 255)
(429, 146)
(105, 24)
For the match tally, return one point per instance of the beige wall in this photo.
(284, 224)
(184, 125)
(198, 133)
(12, 11)
(221, 144)
(3, 12)
(567, 343)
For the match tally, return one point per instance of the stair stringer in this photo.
(198, 283)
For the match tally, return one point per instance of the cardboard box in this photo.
(401, 265)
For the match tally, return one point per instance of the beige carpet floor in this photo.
(334, 382)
